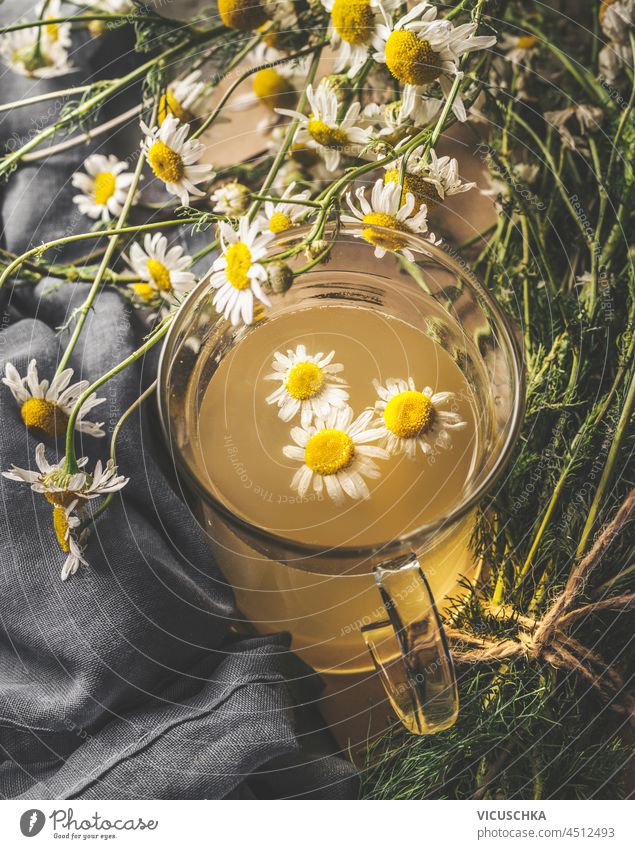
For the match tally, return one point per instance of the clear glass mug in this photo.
(351, 609)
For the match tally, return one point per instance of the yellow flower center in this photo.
(526, 42)
(422, 191)
(304, 381)
(279, 222)
(169, 105)
(325, 135)
(160, 275)
(53, 31)
(60, 523)
(238, 258)
(273, 89)
(329, 451)
(353, 20)
(389, 241)
(166, 163)
(411, 60)
(44, 416)
(408, 414)
(243, 15)
(104, 187)
(144, 291)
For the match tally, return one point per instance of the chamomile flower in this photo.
(398, 120)
(354, 26)
(61, 487)
(183, 97)
(323, 131)
(104, 186)
(46, 407)
(309, 385)
(39, 52)
(231, 199)
(336, 454)
(275, 84)
(420, 50)
(282, 216)
(409, 419)
(616, 18)
(162, 270)
(243, 15)
(519, 49)
(430, 181)
(70, 538)
(236, 274)
(173, 157)
(386, 210)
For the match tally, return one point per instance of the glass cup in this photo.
(350, 609)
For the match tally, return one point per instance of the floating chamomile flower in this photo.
(46, 407)
(411, 419)
(231, 199)
(323, 131)
(336, 455)
(430, 181)
(310, 385)
(173, 157)
(236, 274)
(182, 97)
(162, 270)
(104, 186)
(420, 50)
(243, 15)
(63, 488)
(283, 215)
(385, 210)
(354, 26)
(39, 52)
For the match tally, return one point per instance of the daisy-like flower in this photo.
(429, 181)
(410, 419)
(386, 210)
(46, 407)
(354, 26)
(162, 271)
(309, 385)
(588, 118)
(323, 131)
(616, 17)
(39, 52)
(273, 86)
(283, 215)
(236, 274)
(231, 199)
(400, 118)
(173, 157)
(63, 488)
(243, 15)
(519, 49)
(336, 454)
(182, 98)
(104, 186)
(71, 540)
(420, 50)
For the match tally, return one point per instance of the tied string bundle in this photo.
(549, 638)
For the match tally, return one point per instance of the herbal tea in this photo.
(337, 426)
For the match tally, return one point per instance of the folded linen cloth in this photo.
(123, 682)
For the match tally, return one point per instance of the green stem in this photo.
(71, 462)
(40, 98)
(103, 266)
(101, 16)
(79, 237)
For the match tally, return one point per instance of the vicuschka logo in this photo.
(32, 822)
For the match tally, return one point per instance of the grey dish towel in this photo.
(123, 682)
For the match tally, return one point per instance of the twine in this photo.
(548, 638)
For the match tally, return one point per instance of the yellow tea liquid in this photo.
(237, 440)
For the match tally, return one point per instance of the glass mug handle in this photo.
(410, 650)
